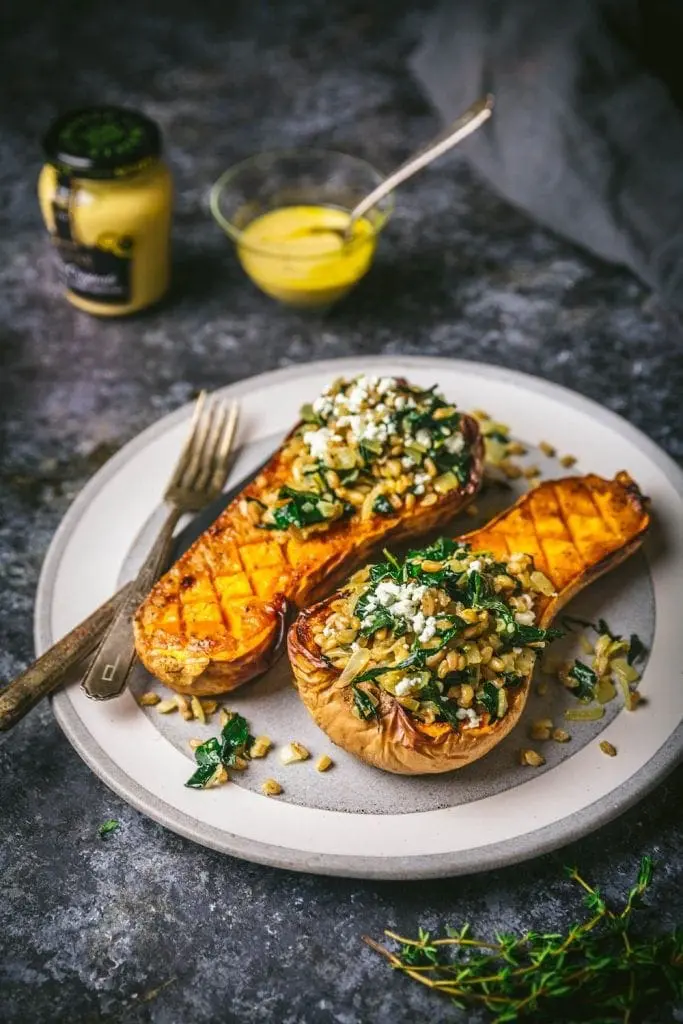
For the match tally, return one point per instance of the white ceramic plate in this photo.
(354, 820)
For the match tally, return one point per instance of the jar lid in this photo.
(102, 142)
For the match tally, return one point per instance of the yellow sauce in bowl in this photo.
(288, 253)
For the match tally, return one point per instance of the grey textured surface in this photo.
(144, 926)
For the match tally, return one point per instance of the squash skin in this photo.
(540, 523)
(200, 644)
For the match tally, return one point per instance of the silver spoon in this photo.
(474, 117)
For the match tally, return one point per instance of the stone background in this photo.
(144, 926)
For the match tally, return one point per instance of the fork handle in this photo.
(108, 671)
(46, 673)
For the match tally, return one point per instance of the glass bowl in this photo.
(300, 267)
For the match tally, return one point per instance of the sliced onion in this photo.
(353, 667)
(622, 670)
(584, 714)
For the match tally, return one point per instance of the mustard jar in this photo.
(106, 196)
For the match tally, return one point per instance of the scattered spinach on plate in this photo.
(232, 744)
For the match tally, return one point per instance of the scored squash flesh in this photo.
(217, 618)
(575, 529)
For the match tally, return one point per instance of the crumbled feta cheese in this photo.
(404, 687)
(399, 402)
(419, 489)
(525, 618)
(424, 438)
(323, 406)
(474, 566)
(317, 441)
(418, 623)
(357, 396)
(428, 631)
(421, 478)
(387, 592)
(454, 444)
(407, 462)
(402, 599)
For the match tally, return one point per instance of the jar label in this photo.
(101, 272)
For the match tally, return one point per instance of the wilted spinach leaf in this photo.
(489, 699)
(363, 703)
(108, 827)
(233, 740)
(636, 650)
(382, 506)
(586, 681)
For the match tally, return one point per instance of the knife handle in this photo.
(108, 671)
(48, 671)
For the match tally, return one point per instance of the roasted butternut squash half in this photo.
(374, 459)
(423, 664)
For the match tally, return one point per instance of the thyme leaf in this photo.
(600, 970)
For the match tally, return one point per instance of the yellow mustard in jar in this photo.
(106, 199)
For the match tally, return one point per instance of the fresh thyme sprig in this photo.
(597, 971)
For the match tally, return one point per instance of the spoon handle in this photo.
(467, 123)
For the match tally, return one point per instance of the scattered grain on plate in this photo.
(184, 707)
(194, 743)
(165, 707)
(198, 710)
(148, 700)
(516, 448)
(541, 729)
(219, 777)
(531, 758)
(260, 746)
(240, 764)
(224, 716)
(568, 461)
(294, 752)
(511, 470)
(323, 763)
(530, 472)
(271, 788)
(547, 449)
(471, 511)
(209, 706)
(633, 700)
(560, 736)
(608, 748)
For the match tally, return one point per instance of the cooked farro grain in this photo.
(149, 699)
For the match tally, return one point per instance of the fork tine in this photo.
(186, 451)
(220, 472)
(211, 444)
(186, 480)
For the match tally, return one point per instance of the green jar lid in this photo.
(102, 142)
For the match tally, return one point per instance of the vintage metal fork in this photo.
(198, 478)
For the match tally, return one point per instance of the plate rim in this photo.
(516, 850)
